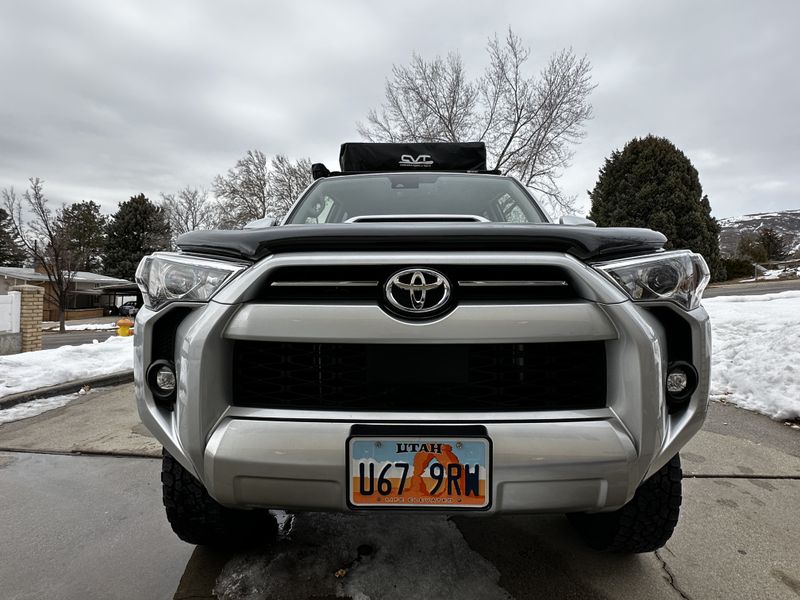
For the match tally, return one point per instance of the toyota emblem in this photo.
(417, 291)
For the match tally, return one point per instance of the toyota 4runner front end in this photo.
(421, 338)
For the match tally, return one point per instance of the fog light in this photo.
(681, 382)
(677, 381)
(162, 381)
(165, 379)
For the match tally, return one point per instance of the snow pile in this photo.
(33, 408)
(387, 556)
(756, 352)
(32, 370)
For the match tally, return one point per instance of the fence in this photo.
(9, 312)
(10, 335)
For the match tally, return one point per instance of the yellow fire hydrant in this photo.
(124, 327)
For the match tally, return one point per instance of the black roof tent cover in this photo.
(435, 156)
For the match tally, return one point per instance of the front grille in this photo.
(365, 283)
(420, 377)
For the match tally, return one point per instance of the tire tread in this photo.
(646, 523)
(197, 518)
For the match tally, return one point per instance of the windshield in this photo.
(494, 198)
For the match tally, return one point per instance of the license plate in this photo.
(419, 472)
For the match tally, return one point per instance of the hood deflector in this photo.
(586, 244)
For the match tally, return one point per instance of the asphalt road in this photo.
(78, 526)
(73, 338)
(752, 289)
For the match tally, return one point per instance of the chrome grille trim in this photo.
(500, 283)
(589, 284)
(324, 284)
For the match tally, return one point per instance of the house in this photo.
(91, 296)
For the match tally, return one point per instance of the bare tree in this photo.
(47, 241)
(287, 180)
(254, 189)
(529, 122)
(243, 191)
(188, 209)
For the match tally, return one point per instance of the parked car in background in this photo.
(128, 309)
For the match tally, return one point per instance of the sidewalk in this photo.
(104, 421)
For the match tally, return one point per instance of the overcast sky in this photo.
(104, 100)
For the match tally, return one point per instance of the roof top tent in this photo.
(368, 157)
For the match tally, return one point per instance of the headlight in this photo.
(679, 276)
(165, 277)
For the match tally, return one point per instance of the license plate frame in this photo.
(473, 448)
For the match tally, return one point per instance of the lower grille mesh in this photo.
(417, 377)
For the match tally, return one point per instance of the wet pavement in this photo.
(77, 526)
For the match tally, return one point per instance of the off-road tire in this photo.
(199, 519)
(645, 523)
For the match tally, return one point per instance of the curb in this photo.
(66, 388)
(101, 330)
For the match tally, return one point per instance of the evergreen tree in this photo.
(651, 183)
(138, 228)
(751, 249)
(84, 227)
(12, 254)
(774, 244)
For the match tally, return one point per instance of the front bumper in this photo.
(565, 460)
(545, 466)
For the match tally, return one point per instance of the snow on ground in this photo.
(756, 352)
(387, 556)
(33, 408)
(32, 370)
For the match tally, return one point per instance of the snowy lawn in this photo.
(756, 356)
(32, 370)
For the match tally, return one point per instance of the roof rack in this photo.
(319, 171)
(366, 157)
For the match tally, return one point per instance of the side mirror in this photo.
(576, 220)
(261, 223)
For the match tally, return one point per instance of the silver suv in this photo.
(416, 336)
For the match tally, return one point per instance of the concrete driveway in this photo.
(78, 526)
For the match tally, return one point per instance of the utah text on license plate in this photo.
(419, 472)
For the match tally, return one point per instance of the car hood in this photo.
(585, 243)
